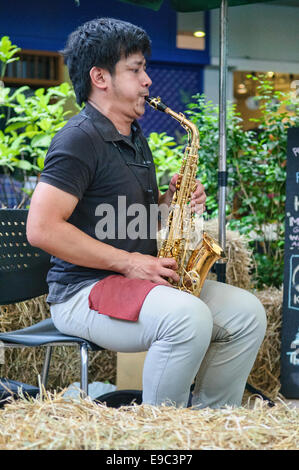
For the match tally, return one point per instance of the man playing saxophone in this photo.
(106, 283)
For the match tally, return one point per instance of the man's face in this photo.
(129, 86)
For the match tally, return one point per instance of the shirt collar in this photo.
(104, 126)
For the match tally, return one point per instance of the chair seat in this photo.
(43, 333)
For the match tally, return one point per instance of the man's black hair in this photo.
(101, 42)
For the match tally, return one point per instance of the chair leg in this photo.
(46, 365)
(84, 370)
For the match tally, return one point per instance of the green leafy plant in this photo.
(29, 120)
(38, 115)
(206, 116)
(261, 180)
(7, 53)
(256, 165)
(167, 155)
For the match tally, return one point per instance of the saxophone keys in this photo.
(192, 282)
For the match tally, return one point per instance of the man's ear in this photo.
(99, 77)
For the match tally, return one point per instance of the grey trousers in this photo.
(214, 340)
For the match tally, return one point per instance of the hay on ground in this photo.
(56, 424)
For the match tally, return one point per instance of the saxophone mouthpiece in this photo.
(156, 103)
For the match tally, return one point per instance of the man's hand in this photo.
(151, 268)
(198, 197)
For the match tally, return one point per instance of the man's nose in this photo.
(147, 81)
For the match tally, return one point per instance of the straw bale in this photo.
(238, 256)
(56, 424)
(265, 373)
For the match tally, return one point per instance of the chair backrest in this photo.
(23, 268)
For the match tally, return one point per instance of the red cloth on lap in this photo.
(120, 297)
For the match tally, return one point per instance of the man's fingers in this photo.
(169, 273)
(169, 266)
(169, 262)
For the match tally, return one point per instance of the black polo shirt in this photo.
(114, 178)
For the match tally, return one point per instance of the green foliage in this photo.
(256, 164)
(29, 121)
(37, 116)
(7, 51)
(206, 116)
(262, 184)
(167, 157)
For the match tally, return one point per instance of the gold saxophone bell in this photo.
(200, 263)
(193, 270)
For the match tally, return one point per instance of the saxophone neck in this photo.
(189, 126)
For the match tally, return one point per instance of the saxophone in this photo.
(181, 237)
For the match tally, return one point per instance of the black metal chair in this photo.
(23, 271)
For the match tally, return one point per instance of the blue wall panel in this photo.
(45, 25)
(175, 84)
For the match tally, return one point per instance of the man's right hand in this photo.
(151, 268)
